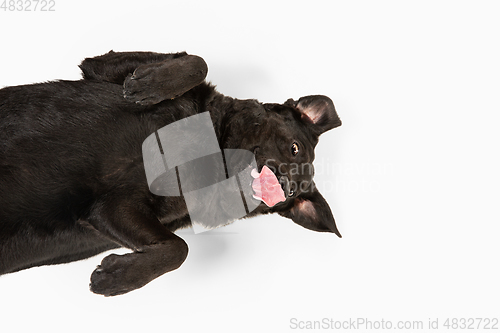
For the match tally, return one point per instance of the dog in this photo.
(72, 175)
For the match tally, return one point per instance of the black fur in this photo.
(72, 180)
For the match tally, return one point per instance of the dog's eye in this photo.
(295, 148)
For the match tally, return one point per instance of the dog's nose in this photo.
(285, 184)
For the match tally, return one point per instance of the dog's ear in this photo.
(317, 110)
(311, 211)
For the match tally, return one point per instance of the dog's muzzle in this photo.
(285, 185)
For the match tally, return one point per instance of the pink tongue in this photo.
(266, 187)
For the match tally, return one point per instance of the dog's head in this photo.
(283, 137)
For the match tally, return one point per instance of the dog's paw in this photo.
(152, 83)
(140, 87)
(116, 275)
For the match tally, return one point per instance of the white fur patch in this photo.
(306, 207)
(313, 112)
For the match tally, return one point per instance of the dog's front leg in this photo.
(115, 66)
(147, 77)
(156, 250)
(153, 83)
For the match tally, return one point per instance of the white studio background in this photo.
(412, 176)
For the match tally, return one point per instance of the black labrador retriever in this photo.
(72, 175)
